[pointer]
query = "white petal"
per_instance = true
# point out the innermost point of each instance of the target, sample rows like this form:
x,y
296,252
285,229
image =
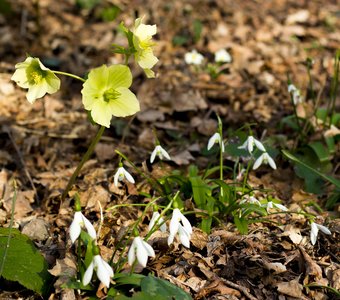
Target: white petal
x,y
148,249
213,139
259,145
104,271
291,88
163,226
244,145
154,218
258,162
116,178
88,274
184,237
89,228
174,223
313,233
270,161
164,153
324,229
171,239
250,144
75,227
186,224
128,176
142,254
132,253
153,154
280,206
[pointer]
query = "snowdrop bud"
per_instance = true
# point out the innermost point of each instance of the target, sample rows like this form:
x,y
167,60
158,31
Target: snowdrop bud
x,y
266,159
79,222
156,218
250,143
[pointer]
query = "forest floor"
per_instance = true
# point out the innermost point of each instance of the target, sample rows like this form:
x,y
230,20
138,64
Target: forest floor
x,y
42,143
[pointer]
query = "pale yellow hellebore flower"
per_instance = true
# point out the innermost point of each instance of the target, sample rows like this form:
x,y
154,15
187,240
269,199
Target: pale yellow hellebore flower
x,y
34,76
142,41
106,93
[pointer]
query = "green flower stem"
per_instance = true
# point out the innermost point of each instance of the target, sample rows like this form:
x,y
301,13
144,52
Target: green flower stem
x,y
83,161
69,74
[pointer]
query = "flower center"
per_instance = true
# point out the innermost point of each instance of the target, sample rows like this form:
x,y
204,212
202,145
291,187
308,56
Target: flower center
x,y
35,77
110,95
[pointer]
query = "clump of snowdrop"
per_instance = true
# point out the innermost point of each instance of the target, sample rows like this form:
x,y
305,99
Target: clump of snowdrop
x,y
141,250
156,219
180,225
103,269
160,152
250,143
215,139
121,174
315,230
222,56
296,94
264,158
193,58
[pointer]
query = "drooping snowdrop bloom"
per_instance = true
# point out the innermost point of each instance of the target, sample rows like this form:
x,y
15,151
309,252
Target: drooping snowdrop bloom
x,y
271,205
216,138
142,41
250,199
34,76
181,225
250,143
193,58
121,174
160,152
296,94
266,159
79,222
315,230
222,56
102,268
155,218
140,249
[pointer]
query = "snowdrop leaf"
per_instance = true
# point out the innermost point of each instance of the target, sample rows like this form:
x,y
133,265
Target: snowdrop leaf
x,y
23,262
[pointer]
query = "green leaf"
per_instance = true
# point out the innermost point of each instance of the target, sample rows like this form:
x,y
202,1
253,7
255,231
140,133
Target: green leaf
x,y
320,150
197,26
331,179
23,262
200,191
241,224
156,288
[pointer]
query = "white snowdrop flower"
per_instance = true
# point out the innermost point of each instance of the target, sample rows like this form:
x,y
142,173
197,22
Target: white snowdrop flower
x,y
160,152
271,205
181,225
315,230
193,58
250,199
154,218
102,268
250,143
216,138
296,94
266,159
291,88
140,249
121,174
222,56
79,222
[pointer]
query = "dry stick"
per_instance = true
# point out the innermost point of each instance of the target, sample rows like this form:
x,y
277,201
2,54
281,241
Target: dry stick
x,y
240,288
8,130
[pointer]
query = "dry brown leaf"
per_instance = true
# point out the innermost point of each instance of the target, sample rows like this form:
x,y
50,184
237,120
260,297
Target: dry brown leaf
x,y
292,288
312,268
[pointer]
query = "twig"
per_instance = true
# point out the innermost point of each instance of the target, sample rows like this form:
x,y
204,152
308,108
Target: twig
x,y
240,288
8,131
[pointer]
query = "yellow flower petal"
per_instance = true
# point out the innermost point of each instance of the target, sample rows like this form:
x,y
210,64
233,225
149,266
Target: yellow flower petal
x,y
119,76
146,59
125,105
101,113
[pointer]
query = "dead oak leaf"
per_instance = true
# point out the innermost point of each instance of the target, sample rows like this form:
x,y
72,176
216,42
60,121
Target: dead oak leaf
x,y
291,288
